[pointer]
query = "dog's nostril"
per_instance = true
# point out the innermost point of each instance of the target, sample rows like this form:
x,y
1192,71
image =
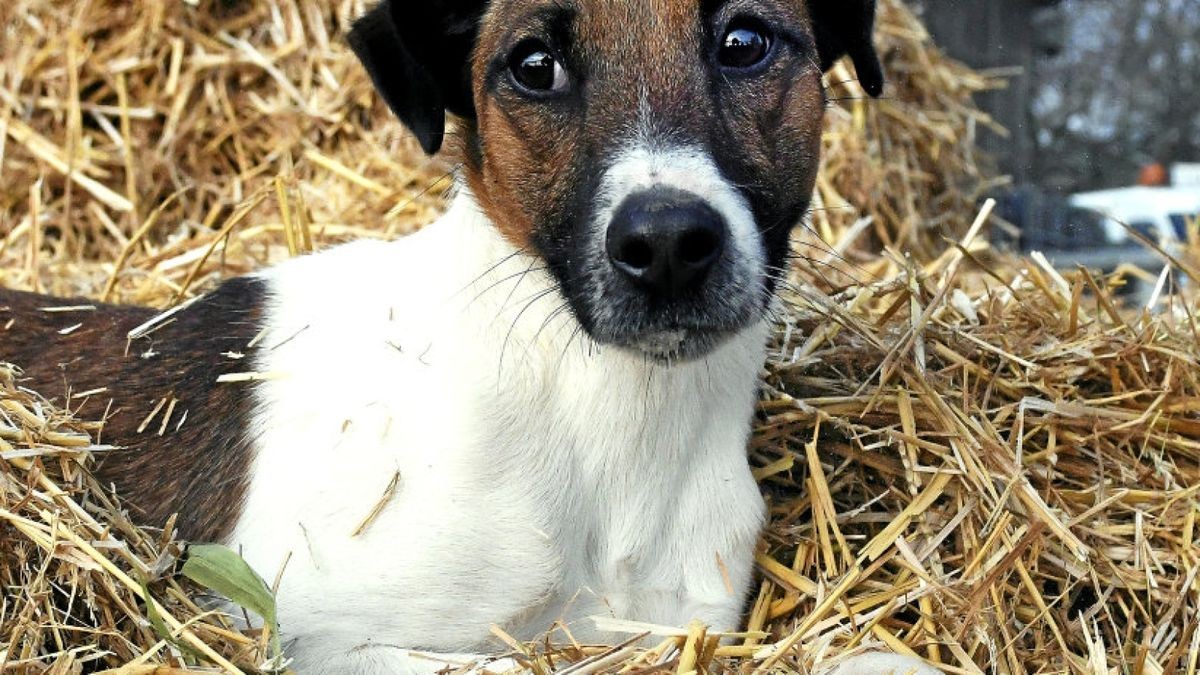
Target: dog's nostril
x,y
698,246
636,253
666,241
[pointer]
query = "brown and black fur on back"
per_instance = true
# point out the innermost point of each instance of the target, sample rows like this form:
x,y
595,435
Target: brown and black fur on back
x,y
195,462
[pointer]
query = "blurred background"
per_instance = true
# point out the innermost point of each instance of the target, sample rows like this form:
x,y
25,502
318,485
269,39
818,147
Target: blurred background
x,y
1102,115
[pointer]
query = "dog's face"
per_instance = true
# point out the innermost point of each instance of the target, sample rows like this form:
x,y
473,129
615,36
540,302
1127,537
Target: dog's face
x,y
654,153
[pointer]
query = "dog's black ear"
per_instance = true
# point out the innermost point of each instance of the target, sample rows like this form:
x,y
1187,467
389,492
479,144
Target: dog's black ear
x,y
847,27
418,54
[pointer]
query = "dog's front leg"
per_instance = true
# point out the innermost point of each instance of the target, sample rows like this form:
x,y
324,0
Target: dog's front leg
x,y
376,659
723,614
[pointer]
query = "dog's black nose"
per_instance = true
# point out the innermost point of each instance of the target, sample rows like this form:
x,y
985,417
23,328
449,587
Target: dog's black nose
x,y
666,240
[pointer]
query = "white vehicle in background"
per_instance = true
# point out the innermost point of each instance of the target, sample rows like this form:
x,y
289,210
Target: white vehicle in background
x,y
1158,212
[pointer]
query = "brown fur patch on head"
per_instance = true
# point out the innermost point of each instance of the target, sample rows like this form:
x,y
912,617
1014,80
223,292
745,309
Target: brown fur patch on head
x,y
641,72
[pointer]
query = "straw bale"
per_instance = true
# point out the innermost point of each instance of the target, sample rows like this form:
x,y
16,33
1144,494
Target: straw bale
x,y
986,461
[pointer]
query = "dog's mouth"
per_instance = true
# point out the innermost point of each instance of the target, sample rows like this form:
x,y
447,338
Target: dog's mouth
x,y
689,329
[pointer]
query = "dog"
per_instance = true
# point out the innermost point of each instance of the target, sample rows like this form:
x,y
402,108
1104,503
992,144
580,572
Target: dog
x,y
535,409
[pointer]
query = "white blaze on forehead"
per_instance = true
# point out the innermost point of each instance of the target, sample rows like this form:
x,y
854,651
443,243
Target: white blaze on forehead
x,y
688,169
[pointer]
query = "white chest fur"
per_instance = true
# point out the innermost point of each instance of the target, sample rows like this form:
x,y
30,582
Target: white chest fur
x,y
537,476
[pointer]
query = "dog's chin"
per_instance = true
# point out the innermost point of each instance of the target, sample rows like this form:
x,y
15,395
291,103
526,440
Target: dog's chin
x,y
675,346
670,345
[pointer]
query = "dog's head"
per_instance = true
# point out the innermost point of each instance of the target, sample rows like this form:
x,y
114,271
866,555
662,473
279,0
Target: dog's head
x,y
655,153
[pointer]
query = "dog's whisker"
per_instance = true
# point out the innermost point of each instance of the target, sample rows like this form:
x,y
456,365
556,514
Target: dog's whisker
x,y
508,335
429,188
532,269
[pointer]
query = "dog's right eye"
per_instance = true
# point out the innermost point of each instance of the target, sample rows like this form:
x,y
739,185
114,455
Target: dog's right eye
x,y
746,44
536,69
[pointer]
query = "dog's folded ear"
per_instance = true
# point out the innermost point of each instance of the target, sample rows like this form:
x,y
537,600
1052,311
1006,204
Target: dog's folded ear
x,y
418,54
846,27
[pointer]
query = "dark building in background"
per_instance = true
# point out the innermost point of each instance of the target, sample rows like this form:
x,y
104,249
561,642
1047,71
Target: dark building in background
x,y
1008,35
1102,94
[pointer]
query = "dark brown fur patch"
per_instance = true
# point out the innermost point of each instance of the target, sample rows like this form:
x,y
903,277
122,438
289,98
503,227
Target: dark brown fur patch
x,y
183,436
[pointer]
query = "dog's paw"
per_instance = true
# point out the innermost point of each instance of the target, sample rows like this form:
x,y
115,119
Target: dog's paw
x,y
463,664
882,664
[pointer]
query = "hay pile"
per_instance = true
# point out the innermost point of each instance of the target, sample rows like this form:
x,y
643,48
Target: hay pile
x,y
148,149
980,460
75,571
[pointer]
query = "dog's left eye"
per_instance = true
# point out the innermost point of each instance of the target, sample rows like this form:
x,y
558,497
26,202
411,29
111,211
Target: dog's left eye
x,y
746,43
536,69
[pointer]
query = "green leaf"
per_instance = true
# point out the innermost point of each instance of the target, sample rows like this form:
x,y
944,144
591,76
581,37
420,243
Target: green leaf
x,y
220,569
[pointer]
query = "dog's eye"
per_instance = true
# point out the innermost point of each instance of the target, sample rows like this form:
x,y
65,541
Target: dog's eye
x,y
746,43
536,69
